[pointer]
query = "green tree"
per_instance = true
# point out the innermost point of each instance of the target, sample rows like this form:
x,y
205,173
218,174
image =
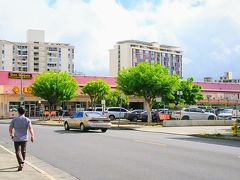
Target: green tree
x,y
96,90
115,97
147,81
191,93
54,87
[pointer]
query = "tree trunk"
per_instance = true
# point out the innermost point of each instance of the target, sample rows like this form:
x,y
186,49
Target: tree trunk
x,y
149,110
91,102
94,104
50,110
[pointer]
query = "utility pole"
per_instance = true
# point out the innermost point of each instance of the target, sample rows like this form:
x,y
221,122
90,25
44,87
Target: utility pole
x,y
21,81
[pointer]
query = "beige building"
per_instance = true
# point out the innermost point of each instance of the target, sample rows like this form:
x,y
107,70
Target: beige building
x,y
129,53
36,55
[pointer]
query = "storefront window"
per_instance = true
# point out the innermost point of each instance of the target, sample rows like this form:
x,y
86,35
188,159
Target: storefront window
x,y
13,106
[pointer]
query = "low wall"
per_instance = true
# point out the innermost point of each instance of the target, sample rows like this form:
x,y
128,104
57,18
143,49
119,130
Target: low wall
x,y
179,123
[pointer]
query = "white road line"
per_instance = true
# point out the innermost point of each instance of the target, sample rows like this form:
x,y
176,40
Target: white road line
x,y
149,142
30,164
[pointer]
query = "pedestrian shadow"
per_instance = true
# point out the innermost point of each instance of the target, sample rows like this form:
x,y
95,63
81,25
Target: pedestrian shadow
x,y
9,169
223,142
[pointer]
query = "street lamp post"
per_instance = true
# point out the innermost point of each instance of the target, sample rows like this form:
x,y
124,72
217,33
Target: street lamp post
x,y
21,82
179,93
121,95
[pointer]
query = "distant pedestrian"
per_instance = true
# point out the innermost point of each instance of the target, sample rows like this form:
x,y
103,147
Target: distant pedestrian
x,y
18,132
60,114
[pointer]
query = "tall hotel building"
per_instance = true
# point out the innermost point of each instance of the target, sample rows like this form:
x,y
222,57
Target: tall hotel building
x,y
36,55
131,52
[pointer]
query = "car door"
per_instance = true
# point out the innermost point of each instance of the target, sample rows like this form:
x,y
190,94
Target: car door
x,y
77,120
123,111
200,114
194,114
115,112
71,120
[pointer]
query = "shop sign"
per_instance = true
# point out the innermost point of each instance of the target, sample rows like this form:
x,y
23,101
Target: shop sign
x,y
19,75
16,90
26,90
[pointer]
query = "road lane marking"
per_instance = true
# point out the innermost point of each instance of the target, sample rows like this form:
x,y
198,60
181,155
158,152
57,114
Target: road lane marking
x,y
31,165
149,142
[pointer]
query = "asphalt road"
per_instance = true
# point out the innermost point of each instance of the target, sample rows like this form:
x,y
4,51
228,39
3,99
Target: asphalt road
x,y
130,155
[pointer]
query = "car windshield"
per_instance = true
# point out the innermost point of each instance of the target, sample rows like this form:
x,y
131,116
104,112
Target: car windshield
x,y
227,111
93,114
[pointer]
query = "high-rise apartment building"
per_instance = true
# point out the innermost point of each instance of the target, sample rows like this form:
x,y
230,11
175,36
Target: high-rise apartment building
x,y
36,55
131,52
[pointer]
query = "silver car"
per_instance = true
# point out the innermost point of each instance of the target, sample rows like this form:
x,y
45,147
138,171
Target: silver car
x,y
115,112
225,114
85,120
193,114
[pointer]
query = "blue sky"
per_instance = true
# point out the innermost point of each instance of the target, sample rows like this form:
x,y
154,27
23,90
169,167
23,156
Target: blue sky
x,y
208,31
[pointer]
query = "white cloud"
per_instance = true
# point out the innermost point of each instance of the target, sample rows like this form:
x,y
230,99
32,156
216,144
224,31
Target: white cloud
x,y
186,60
221,53
237,49
94,27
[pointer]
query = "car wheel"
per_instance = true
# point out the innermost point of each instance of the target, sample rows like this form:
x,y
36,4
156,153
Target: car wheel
x,y
66,126
185,118
135,118
211,118
112,117
82,127
103,130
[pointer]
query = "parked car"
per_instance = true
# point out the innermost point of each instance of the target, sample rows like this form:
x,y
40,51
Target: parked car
x,y
133,115
193,114
115,112
218,110
85,120
225,114
207,109
144,116
96,109
160,112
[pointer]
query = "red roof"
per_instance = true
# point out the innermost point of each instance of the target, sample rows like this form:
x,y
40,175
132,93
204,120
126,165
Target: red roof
x,y
213,86
82,80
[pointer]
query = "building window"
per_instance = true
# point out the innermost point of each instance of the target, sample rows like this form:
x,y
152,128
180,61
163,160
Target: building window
x,y
52,49
36,53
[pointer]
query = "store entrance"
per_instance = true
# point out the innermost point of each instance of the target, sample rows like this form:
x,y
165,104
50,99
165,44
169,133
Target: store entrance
x,y
30,108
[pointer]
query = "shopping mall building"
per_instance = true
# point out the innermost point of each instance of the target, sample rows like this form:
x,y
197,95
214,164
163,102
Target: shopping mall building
x,y
10,90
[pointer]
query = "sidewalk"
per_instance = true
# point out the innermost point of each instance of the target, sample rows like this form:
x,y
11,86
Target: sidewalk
x,y
190,130
34,168
9,165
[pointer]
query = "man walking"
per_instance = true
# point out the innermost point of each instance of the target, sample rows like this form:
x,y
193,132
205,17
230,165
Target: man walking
x,y
18,132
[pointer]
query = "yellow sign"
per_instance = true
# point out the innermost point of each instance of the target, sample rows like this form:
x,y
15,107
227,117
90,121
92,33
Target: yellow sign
x,y
19,75
16,90
26,90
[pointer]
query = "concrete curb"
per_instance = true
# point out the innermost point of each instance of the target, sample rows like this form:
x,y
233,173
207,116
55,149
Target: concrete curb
x,y
237,138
